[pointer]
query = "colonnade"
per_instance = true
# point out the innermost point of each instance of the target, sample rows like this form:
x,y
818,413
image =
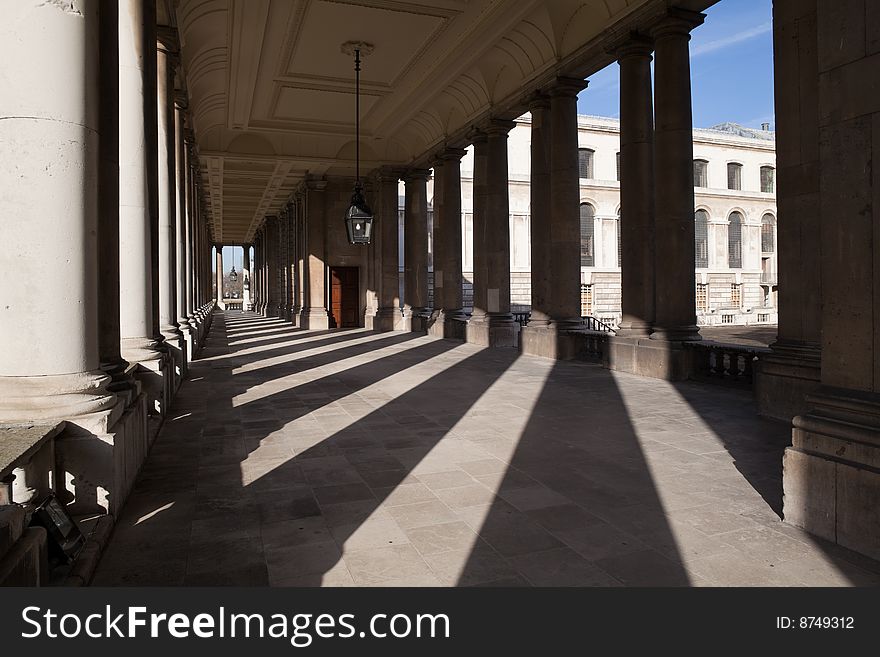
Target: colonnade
x,y
106,238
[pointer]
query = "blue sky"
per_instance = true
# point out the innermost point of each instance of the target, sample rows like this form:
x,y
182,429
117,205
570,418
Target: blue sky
x,y
731,69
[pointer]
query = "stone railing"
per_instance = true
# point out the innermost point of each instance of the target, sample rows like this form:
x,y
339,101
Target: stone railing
x,y
594,345
725,363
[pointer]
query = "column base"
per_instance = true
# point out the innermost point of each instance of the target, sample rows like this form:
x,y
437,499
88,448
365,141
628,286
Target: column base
x,y
35,398
416,319
658,359
559,342
315,319
831,472
153,369
784,378
493,331
450,324
689,333
388,319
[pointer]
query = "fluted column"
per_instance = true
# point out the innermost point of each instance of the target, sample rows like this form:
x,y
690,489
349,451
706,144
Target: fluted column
x,y
492,322
636,189
167,203
448,317
314,313
676,317
415,245
388,316
49,172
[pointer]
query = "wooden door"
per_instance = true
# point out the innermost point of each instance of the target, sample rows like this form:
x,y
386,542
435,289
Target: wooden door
x,y
344,289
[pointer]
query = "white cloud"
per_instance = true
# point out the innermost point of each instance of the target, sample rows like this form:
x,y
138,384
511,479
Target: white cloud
x,y
739,37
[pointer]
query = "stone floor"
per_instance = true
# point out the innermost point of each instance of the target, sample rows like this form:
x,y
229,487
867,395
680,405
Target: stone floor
x,y
349,458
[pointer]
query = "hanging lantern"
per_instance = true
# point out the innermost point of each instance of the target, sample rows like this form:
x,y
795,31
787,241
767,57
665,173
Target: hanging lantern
x,y
359,217
233,275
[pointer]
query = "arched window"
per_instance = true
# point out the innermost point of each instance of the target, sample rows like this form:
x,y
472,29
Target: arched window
x,y
585,163
701,173
734,241
768,233
588,213
701,238
768,180
734,175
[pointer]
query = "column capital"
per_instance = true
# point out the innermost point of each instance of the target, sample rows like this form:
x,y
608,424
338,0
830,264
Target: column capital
x,y
677,22
477,135
387,174
413,175
566,87
167,39
316,185
636,45
498,127
451,154
538,101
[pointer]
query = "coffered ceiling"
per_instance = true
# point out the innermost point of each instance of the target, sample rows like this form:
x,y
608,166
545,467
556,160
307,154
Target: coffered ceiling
x,y
272,94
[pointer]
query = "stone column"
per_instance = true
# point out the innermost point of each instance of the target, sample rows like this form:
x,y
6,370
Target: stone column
x,y
167,208
272,283
388,316
675,309
480,231
297,263
108,206
49,174
181,181
831,472
191,236
636,189
494,325
448,319
218,274
246,278
314,313
283,290
138,201
792,371
558,313
257,290
415,245
540,195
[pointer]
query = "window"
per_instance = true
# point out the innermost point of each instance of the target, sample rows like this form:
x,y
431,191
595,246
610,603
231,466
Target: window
x,y
768,180
585,163
586,300
701,238
736,295
727,319
701,173
763,318
618,166
521,256
734,175
734,241
587,230
619,242
768,233
702,297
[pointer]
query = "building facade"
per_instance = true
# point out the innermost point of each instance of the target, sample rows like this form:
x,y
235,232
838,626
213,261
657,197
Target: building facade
x,y
735,222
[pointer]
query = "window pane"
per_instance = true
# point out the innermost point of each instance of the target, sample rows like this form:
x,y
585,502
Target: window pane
x,y
618,167
585,163
734,176
701,235
734,241
587,230
767,234
768,180
701,172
